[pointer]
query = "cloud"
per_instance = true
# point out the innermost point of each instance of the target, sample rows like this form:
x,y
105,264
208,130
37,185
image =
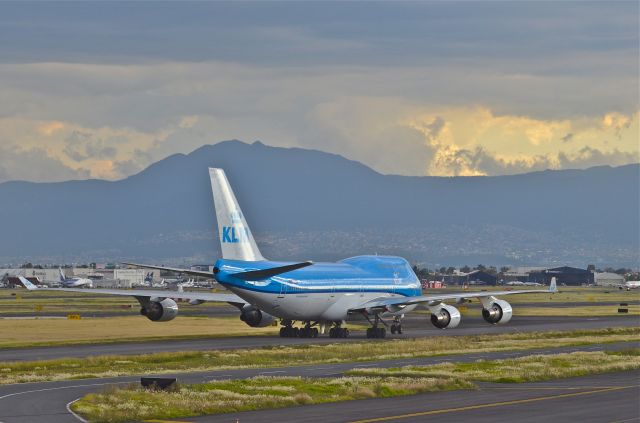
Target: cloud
x,y
542,82
35,165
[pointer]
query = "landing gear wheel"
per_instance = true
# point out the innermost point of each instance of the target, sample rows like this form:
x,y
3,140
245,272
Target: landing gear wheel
x,y
338,332
314,332
378,333
393,329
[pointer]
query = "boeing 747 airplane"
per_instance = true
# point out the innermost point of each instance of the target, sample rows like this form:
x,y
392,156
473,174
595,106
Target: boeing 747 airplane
x,y
316,296
74,282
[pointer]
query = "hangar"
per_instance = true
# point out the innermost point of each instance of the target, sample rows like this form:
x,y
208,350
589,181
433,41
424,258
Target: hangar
x,y
564,275
608,279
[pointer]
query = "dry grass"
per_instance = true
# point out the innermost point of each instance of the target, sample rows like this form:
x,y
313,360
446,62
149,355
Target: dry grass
x,y
578,311
524,369
107,366
135,403
31,332
20,302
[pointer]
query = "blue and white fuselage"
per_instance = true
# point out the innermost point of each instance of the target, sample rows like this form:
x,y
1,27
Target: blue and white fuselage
x,y
322,291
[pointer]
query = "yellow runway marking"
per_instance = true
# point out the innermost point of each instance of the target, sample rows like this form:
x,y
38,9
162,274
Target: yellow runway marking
x,y
493,404
547,388
164,421
633,419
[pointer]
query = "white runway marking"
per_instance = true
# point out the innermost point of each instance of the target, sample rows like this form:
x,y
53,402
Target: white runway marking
x,y
58,388
72,413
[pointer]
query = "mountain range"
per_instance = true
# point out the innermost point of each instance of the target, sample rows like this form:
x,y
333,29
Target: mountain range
x,y
307,204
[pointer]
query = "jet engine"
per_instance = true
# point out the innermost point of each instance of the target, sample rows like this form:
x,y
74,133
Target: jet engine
x,y
444,316
160,311
497,312
254,317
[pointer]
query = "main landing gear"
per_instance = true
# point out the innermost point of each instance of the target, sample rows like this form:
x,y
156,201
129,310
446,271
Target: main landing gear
x,y
338,332
381,332
288,331
375,331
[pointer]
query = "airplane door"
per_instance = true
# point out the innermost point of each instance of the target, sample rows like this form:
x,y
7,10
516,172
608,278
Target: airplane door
x,y
396,281
283,290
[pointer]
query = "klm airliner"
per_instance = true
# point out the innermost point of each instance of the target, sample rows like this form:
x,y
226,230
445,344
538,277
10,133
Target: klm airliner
x,y
313,296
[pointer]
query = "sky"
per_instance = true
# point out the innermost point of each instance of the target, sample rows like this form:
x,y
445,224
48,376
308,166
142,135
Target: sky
x,y
102,90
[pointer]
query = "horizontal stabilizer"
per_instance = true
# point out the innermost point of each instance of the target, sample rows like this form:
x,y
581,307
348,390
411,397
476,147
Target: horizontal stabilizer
x,y
174,269
256,275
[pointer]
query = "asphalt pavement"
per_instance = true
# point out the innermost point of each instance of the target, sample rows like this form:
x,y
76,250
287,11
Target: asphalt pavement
x,y
48,401
612,398
415,326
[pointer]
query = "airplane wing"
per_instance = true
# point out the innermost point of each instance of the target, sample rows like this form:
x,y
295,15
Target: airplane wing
x,y
383,304
174,269
203,296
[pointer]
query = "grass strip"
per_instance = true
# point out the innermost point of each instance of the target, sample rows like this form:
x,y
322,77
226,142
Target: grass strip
x,y
275,356
135,403
533,368
34,332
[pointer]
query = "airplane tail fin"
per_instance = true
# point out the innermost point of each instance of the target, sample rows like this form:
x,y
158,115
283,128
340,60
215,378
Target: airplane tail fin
x,y
62,275
27,284
552,286
236,240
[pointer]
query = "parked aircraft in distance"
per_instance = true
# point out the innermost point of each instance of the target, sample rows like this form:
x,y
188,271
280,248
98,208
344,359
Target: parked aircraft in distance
x,y
378,289
519,283
74,282
629,285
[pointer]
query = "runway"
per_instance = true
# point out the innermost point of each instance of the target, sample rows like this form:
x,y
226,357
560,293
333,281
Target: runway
x,y
601,398
47,401
225,310
415,326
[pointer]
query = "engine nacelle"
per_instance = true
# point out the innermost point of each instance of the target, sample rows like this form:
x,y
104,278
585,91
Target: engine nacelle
x,y
444,316
255,317
497,312
160,311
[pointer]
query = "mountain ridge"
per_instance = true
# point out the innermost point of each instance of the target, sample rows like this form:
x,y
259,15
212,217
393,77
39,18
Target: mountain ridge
x,y
283,191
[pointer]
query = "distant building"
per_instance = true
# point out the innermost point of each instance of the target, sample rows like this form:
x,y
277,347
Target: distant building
x,y
520,273
44,275
427,284
564,275
129,277
608,279
475,277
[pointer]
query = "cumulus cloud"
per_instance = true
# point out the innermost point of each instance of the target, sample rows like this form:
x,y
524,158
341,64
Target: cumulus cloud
x,y
555,95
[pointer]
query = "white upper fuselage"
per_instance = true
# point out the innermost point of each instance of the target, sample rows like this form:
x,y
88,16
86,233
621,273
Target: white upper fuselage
x,y
77,283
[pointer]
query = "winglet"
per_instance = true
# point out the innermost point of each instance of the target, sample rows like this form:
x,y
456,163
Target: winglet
x,y
27,284
552,286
